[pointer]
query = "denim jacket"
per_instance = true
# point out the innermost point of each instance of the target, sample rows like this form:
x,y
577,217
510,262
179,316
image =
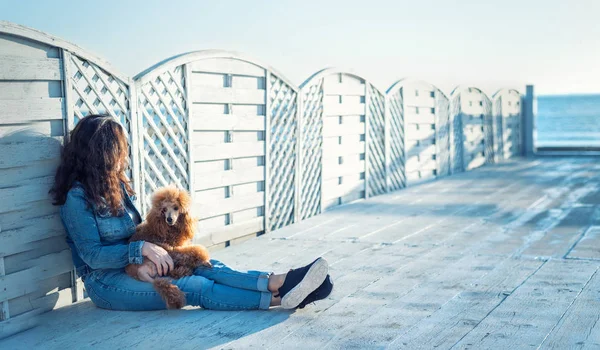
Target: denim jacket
x,y
98,240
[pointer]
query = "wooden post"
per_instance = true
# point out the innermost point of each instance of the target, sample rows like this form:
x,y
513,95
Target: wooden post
x,y
298,169
528,121
4,313
367,138
67,93
190,131
267,151
386,141
136,146
69,124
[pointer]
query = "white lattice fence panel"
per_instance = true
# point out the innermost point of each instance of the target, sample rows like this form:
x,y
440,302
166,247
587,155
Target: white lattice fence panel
x,y
442,121
376,142
311,151
396,174
164,134
282,102
95,91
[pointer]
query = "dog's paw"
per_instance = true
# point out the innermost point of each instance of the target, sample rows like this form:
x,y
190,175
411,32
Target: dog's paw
x,y
207,264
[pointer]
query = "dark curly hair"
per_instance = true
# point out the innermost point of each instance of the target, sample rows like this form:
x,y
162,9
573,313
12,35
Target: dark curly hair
x,y
96,156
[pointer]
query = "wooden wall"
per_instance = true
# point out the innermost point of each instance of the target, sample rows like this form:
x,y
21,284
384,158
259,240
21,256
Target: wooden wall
x,y
35,262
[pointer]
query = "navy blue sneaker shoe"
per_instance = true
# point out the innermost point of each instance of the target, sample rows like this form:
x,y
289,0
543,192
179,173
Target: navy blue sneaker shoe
x,y
319,294
299,283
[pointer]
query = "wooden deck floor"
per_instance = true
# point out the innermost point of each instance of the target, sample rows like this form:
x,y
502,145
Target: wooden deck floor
x,y
502,257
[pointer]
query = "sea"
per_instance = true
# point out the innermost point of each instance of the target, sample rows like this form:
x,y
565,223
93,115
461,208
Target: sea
x,y
568,121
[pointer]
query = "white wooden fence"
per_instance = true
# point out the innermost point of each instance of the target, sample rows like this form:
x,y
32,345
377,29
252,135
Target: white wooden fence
x,y
256,151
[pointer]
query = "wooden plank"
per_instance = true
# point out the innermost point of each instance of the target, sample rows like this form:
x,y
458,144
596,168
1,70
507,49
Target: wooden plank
x,y
24,174
577,328
203,94
587,247
210,122
24,132
20,239
424,99
228,150
332,169
227,66
35,249
224,178
228,205
344,149
336,109
421,163
26,281
19,111
342,88
26,68
335,191
533,310
31,191
420,150
19,324
51,293
344,129
423,117
229,232
419,132
25,47
442,330
18,90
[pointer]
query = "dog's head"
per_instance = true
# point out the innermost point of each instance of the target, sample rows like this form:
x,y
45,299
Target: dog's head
x,y
172,204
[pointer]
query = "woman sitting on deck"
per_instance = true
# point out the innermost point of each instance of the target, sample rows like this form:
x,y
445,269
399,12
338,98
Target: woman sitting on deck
x,y
97,211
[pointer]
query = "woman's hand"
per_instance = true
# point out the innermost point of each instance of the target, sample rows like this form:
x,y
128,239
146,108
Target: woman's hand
x,y
159,257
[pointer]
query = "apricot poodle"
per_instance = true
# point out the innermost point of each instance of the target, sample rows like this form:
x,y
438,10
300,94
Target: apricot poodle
x,y
170,225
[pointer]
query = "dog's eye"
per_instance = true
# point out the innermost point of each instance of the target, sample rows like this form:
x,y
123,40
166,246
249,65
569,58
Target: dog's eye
x,y
163,210
176,208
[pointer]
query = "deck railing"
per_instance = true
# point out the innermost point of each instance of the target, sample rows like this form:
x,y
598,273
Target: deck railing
x,y
256,151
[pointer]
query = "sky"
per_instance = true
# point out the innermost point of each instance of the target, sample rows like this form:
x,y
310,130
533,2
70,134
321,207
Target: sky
x,y
552,44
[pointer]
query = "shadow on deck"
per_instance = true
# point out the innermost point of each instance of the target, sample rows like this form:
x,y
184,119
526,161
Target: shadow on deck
x,y
501,257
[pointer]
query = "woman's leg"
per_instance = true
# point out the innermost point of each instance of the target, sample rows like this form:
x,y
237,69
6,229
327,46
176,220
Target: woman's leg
x,y
114,289
251,280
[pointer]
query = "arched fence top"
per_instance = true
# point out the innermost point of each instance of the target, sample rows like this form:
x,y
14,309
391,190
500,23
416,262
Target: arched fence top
x,y
506,91
336,70
45,38
189,57
395,87
467,88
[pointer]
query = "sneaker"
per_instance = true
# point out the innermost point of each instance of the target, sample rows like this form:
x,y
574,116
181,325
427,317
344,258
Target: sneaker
x,y
299,283
319,294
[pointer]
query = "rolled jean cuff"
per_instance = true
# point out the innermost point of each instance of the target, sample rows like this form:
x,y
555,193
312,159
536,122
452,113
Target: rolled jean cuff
x,y
265,300
262,283
135,252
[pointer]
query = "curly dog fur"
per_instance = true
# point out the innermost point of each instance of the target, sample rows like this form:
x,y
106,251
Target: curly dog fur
x,y
170,225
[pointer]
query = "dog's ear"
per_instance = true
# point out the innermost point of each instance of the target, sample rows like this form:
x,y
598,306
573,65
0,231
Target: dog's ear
x,y
185,201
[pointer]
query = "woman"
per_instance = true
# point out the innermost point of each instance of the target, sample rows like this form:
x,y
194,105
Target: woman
x,y
97,211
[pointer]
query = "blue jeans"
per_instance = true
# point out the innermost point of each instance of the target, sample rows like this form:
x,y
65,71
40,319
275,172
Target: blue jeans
x,y
217,288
